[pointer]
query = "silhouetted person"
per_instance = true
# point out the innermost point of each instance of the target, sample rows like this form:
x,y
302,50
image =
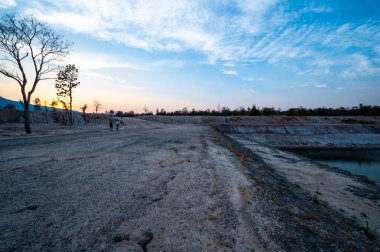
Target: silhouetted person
x,y
111,124
117,125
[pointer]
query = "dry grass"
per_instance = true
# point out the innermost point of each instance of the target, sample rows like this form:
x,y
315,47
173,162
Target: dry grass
x,y
246,193
311,216
305,226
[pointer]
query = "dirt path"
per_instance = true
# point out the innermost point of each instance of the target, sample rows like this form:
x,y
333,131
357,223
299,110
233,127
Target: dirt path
x,y
131,190
153,187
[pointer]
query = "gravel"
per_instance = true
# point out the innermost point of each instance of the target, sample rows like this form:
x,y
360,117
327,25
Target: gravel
x,y
153,187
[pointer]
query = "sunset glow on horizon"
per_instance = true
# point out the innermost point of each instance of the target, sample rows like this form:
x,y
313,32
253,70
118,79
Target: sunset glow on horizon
x,y
201,54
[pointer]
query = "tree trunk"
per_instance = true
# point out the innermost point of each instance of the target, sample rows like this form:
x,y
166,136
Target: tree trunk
x,y
71,113
71,108
28,130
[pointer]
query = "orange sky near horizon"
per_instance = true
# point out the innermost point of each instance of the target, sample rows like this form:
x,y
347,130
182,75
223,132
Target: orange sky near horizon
x,y
83,94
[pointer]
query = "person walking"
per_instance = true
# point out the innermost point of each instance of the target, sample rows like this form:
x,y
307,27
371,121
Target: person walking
x,y
117,124
111,124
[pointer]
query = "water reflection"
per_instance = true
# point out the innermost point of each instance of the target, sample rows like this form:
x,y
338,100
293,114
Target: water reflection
x,y
362,162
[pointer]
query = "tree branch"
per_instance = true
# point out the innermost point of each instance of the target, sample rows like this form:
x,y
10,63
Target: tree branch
x,y
21,38
6,59
12,76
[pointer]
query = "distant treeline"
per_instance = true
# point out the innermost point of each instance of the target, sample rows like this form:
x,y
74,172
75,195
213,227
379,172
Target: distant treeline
x,y
361,110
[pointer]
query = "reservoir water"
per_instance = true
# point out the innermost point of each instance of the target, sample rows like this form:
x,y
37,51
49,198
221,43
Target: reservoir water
x,y
361,162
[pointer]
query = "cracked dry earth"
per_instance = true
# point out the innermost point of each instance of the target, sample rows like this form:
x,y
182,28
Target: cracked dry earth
x,y
156,187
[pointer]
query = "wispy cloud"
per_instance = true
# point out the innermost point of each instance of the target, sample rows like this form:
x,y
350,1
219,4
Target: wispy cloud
x,y
7,3
229,64
93,61
165,64
89,60
229,72
312,84
359,65
230,32
156,25
320,85
114,80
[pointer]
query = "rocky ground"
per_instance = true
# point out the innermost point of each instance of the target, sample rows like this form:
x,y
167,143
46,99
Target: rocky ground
x,y
158,187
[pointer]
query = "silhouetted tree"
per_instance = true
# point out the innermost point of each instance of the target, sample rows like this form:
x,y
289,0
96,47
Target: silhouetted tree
x,y
64,105
242,111
97,106
54,105
146,110
119,113
67,80
25,40
268,111
225,111
129,114
364,110
185,111
254,111
65,108
37,104
84,108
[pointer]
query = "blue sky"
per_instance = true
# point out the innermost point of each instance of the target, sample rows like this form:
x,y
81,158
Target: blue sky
x,y
198,54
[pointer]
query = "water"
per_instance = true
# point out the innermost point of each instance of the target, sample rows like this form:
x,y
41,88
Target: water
x,y
361,162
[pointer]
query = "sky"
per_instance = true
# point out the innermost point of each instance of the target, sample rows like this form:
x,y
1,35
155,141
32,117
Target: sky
x,y
200,54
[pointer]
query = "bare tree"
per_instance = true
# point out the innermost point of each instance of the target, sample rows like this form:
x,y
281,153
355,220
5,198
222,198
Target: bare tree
x,y
25,40
146,110
67,80
97,105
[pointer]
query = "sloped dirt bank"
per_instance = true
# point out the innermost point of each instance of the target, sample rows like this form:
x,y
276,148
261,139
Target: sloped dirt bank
x,y
351,196
49,117
318,136
318,141
265,120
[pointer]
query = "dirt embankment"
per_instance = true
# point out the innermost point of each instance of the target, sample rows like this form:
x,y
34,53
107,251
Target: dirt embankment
x,y
346,132
264,120
46,117
314,132
152,187
352,196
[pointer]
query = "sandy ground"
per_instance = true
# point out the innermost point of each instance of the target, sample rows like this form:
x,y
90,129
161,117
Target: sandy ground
x,y
16,130
156,187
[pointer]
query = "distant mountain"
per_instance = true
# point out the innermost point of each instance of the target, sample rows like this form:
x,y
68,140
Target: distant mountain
x,y
5,101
